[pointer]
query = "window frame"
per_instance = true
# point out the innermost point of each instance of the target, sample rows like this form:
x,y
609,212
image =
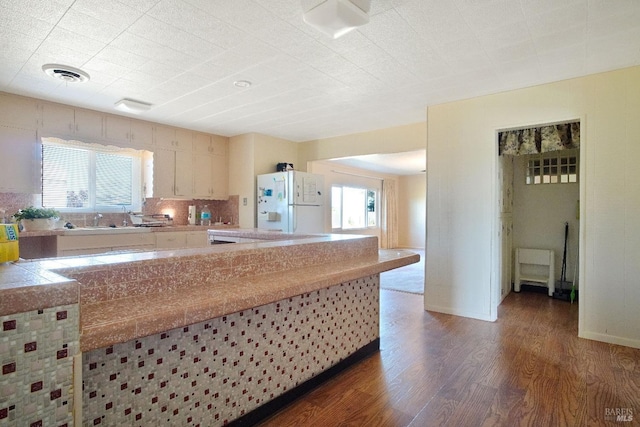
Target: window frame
x,y
557,167
366,210
94,148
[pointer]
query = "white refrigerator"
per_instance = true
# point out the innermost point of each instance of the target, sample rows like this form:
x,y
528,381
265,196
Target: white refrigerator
x,y
290,201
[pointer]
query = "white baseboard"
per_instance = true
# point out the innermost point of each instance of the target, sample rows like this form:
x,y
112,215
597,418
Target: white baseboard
x,y
461,313
610,339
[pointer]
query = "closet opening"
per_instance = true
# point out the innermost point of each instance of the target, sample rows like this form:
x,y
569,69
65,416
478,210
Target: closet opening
x,y
538,225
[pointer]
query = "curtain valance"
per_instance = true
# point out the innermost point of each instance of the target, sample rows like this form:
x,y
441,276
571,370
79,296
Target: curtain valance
x,y
540,139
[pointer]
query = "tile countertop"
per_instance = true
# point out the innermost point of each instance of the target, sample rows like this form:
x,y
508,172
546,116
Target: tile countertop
x,y
222,279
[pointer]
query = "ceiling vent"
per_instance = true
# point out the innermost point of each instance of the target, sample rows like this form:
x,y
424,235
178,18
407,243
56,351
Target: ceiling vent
x,y
65,73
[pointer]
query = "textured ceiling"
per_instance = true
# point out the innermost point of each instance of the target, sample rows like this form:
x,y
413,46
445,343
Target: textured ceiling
x,y
183,56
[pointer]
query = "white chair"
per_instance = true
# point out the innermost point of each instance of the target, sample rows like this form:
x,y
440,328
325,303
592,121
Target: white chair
x,y
535,265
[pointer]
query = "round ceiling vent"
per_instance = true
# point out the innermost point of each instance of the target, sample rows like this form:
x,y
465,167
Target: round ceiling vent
x,y
65,73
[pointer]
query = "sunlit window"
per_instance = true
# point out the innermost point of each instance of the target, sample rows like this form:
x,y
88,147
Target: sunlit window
x,y
353,208
77,177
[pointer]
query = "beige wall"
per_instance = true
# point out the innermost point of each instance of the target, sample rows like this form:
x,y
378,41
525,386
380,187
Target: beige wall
x,y
269,151
412,198
392,140
241,159
462,201
250,155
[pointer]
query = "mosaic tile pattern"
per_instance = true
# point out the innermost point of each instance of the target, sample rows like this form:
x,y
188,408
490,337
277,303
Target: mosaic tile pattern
x,y
36,355
213,372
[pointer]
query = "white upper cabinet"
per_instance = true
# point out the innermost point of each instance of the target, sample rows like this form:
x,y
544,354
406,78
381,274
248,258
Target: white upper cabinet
x,y
19,148
220,178
202,143
68,122
117,128
18,112
56,120
210,170
172,138
184,164
171,175
88,124
141,133
19,162
127,132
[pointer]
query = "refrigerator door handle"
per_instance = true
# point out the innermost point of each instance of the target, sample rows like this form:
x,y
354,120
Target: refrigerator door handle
x,y
294,225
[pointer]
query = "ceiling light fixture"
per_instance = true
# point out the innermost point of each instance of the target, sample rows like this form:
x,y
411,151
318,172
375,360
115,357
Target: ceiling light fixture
x,y
132,106
65,73
242,83
336,18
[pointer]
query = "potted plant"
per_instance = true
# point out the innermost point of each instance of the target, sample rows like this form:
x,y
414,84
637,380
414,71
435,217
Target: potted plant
x,y
36,219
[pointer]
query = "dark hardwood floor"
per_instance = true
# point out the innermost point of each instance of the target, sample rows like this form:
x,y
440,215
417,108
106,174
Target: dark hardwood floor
x,y
527,369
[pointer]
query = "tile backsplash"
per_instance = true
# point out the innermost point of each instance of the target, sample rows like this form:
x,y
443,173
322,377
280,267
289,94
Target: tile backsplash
x,y
226,210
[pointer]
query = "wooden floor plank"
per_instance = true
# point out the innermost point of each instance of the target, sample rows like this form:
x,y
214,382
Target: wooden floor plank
x,y
527,368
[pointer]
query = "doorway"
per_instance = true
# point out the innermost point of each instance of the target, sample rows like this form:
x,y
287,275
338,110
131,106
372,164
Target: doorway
x,y
538,196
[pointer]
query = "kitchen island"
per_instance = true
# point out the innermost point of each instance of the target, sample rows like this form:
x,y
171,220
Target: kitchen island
x,y
191,336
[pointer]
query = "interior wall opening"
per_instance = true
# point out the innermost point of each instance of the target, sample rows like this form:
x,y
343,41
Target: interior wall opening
x,y
539,194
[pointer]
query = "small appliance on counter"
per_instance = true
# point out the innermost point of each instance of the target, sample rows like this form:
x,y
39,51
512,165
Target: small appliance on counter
x,y
193,217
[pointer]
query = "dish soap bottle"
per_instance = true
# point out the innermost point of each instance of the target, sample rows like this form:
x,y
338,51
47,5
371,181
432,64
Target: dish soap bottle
x,y
205,216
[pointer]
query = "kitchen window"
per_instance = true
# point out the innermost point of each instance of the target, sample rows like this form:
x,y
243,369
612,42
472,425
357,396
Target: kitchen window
x,y
90,177
353,208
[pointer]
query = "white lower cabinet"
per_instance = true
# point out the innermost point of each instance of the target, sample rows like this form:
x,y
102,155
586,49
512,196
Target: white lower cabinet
x,y
197,239
99,243
171,240
181,239
91,244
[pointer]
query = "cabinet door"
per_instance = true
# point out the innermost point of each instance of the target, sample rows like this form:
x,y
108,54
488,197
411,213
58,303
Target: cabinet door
x,y
163,173
16,111
202,143
20,155
164,136
184,139
220,178
219,145
88,124
173,138
56,120
202,176
141,134
183,186
171,240
117,129
197,239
